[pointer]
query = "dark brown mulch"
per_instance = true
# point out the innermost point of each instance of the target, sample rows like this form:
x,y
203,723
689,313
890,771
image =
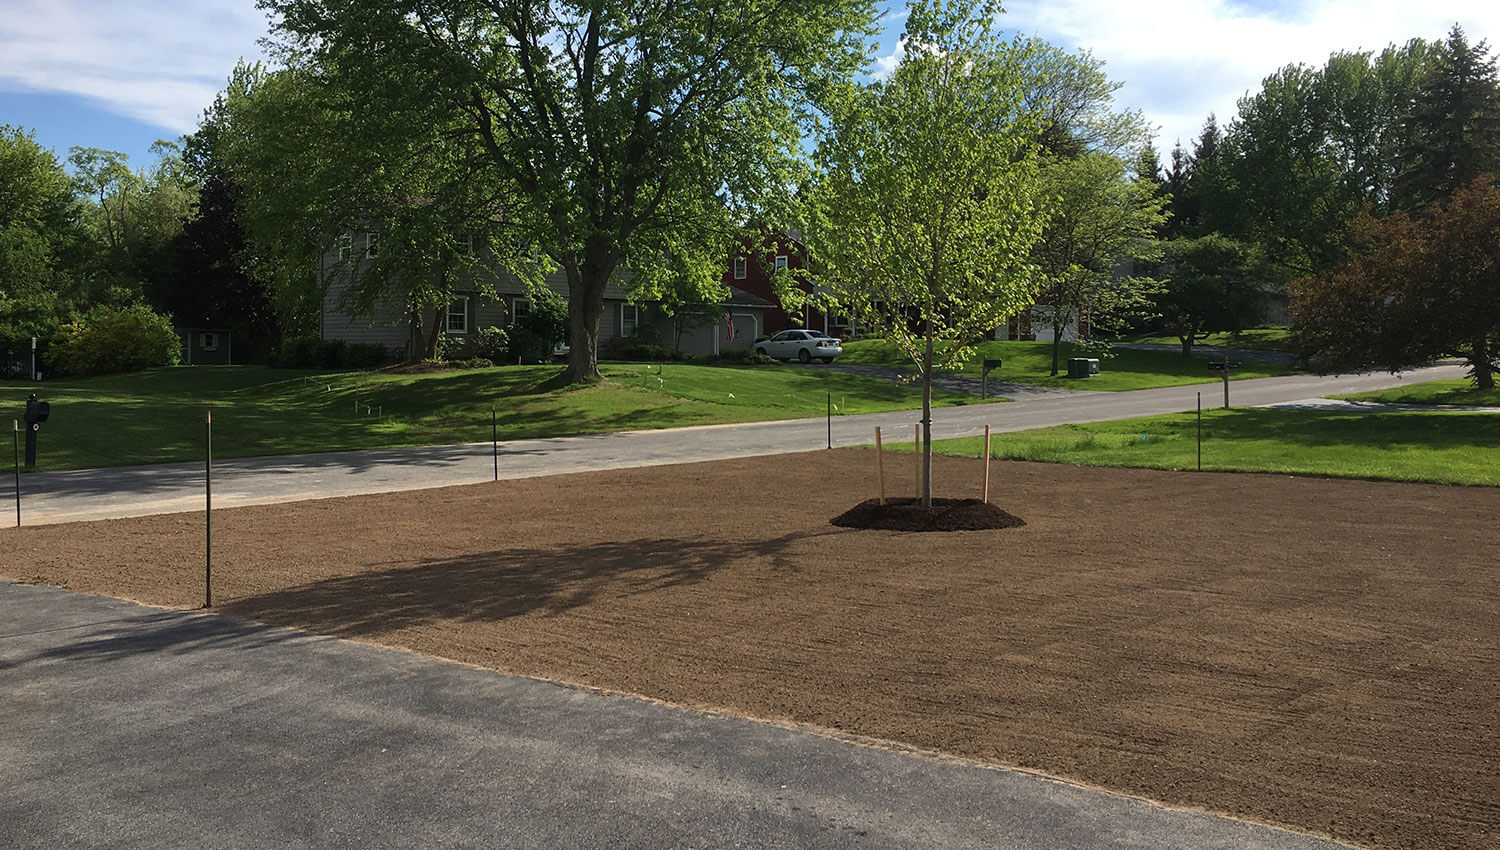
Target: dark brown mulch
x,y
944,515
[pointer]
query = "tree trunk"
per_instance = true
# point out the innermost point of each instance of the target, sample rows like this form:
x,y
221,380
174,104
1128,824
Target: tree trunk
x,y
431,344
586,282
1056,344
1479,358
927,419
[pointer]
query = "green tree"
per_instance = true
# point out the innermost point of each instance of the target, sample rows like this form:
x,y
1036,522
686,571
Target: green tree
x,y
632,136
39,238
1419,287
1099,221
317,162
924,210
132,215
1306,153
1208,284
1455,126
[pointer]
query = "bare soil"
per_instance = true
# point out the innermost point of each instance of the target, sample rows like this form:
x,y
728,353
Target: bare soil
x,y
1321,654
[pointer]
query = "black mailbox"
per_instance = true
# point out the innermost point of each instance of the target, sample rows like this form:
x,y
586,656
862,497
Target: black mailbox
x,y
991,363
36,413
1223,366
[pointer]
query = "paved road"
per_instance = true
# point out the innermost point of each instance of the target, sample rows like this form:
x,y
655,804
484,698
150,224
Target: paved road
x,y
139,490
135,727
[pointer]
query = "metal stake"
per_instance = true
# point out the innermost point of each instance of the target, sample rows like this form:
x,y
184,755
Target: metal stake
x,y
1200,432
208,511
17,441
880,464
830,419
495,441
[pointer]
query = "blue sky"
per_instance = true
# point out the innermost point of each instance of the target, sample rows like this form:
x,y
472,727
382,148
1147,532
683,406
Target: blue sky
x,y
121,74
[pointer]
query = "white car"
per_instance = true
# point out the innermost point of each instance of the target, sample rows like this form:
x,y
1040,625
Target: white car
x,y
801,344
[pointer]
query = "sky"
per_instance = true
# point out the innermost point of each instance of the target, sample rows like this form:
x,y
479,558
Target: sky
x,y
120,74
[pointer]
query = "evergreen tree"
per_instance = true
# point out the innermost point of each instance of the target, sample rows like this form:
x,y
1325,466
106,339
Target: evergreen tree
x,y
1455,126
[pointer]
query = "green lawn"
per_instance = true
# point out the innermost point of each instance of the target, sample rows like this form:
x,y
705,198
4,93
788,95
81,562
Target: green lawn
x,y
1448,448
1275,338
1030,362
1458,391
157,415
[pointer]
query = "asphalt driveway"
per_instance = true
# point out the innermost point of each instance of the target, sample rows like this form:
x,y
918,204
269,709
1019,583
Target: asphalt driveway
x,y
127,726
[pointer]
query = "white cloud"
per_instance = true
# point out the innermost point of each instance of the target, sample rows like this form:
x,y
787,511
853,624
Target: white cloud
x,y
1182,59
158,61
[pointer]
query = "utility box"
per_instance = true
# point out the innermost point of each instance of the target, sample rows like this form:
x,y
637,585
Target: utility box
x,y
1083,367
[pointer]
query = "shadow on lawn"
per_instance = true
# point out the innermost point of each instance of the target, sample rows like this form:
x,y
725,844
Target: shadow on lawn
x,y
501,584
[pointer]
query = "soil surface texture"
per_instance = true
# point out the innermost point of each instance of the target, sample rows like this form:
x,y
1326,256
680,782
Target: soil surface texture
x,y
909,515
1320,654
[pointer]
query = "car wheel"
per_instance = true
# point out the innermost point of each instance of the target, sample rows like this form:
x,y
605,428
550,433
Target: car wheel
x,y
761,352
804,356
827,359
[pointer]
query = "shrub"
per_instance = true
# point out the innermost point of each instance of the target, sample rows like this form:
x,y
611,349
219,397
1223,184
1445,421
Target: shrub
x,y
647,351
314,353
534,335
106,340
478,363
762,360
492,344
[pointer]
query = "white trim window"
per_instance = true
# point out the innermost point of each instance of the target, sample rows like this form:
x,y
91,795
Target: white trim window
x,y
372,249
346,245
208,341
458,315
780,262
520,308
741,268
464,245
630,319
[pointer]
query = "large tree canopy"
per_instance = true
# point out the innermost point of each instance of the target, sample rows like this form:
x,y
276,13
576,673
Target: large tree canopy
x,y
925,206
39,236
1419,287
636,135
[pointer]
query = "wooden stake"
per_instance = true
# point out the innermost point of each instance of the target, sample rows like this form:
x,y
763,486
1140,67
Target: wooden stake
x,y
986,464
880,464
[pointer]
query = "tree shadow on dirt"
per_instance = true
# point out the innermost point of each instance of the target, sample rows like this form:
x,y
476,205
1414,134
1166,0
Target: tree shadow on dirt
x,y
504,583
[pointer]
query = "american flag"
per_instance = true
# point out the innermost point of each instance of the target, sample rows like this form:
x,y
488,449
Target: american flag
x,y
729,327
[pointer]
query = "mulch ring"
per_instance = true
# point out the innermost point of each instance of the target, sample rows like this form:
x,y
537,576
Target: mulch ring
x,y
944,515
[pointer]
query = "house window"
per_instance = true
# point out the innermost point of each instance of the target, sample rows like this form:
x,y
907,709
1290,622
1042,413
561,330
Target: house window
x,y
740,270
370,249
458,315
208,341
346,246
630,319
780,262
464,244
519,309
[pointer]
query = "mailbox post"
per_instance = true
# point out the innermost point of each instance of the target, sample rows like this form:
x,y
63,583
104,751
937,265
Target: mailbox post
x,y
36,413
984,380
1224,368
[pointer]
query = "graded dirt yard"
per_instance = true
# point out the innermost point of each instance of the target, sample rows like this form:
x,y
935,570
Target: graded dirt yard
x,y
1318,654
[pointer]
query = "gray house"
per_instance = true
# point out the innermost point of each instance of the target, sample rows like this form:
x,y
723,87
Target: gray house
x,y
389,325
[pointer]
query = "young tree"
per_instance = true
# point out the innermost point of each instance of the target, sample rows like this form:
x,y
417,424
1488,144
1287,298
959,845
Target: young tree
x,y
633,136
1098,223
925,210
1421,287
